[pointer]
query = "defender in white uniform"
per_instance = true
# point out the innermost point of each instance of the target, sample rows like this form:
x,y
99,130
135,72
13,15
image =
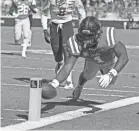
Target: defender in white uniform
x,y
60,13
20,9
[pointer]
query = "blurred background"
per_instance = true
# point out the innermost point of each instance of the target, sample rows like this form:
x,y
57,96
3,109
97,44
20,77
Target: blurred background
x,y
105,9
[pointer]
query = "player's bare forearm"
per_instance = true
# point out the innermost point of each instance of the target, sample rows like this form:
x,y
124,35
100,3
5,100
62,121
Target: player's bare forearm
x,y
65,70
121,53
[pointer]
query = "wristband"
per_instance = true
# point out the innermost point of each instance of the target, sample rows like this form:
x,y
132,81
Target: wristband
x,y
113,72
55,83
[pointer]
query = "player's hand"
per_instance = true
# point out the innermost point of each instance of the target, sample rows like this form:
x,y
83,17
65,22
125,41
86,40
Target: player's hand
x,y
54,83
47,36
106,79
15,14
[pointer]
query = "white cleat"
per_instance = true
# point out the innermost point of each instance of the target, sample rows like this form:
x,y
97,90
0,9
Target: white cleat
x,y
22,44
24,55
69,85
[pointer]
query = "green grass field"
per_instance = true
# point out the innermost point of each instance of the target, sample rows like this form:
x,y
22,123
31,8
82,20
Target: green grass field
x,y
15,80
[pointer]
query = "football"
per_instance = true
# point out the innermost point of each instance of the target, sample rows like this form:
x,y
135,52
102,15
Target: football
x,y
48,91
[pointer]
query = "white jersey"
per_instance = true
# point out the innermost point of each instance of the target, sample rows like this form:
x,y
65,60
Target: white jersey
x,y
21,8
61,11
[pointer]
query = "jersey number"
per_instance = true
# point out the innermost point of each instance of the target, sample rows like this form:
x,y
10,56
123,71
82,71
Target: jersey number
x,y
22,9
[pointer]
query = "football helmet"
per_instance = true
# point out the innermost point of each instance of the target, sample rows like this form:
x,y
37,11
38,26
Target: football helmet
x,y
89,32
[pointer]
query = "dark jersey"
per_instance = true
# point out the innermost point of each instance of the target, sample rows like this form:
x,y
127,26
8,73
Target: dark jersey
x,y
103,54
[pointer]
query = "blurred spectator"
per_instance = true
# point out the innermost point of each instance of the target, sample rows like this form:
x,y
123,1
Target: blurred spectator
x,y
5,6
98,8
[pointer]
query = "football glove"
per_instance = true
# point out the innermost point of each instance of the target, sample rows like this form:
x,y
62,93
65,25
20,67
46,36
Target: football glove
x,y
47,36
54,83
106,79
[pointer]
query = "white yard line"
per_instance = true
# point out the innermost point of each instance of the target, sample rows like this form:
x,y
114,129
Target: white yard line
x,y
41,51
15,119
37,51
107,90
20,110
100,101
43,59
28,68
132,47
32,58
15,110
134,87
103,95
70,115
31,68
8,84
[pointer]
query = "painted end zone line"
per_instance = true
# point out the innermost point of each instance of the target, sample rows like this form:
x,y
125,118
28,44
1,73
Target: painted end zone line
x,y
72,114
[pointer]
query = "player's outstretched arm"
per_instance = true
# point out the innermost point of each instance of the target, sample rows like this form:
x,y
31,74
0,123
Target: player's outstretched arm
x,y
121,52
65,71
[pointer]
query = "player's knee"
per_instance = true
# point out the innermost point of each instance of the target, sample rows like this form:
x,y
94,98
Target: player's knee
x,y
26,36
87,76
17,37
58,57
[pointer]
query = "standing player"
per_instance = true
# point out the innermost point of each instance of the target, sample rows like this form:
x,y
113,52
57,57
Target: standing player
x,y
60,13
20,9
101,51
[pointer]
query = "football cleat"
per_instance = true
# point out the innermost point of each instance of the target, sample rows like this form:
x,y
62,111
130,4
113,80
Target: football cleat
x,y
68,85
23,55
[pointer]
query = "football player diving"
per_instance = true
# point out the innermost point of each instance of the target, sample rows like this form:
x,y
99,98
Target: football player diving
x,y
101,51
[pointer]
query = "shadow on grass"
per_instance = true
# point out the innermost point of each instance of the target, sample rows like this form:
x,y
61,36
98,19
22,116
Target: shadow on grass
x,y
77,103
23,116
11,53
14,44
51,105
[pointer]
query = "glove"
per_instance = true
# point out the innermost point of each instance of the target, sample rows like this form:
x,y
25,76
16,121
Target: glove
x,y
47,36
106,79
54,83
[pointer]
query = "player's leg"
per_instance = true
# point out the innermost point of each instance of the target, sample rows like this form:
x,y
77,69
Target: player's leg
x,y
89,72
18,31
105,70
26,28
56,46
67,32
30,31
